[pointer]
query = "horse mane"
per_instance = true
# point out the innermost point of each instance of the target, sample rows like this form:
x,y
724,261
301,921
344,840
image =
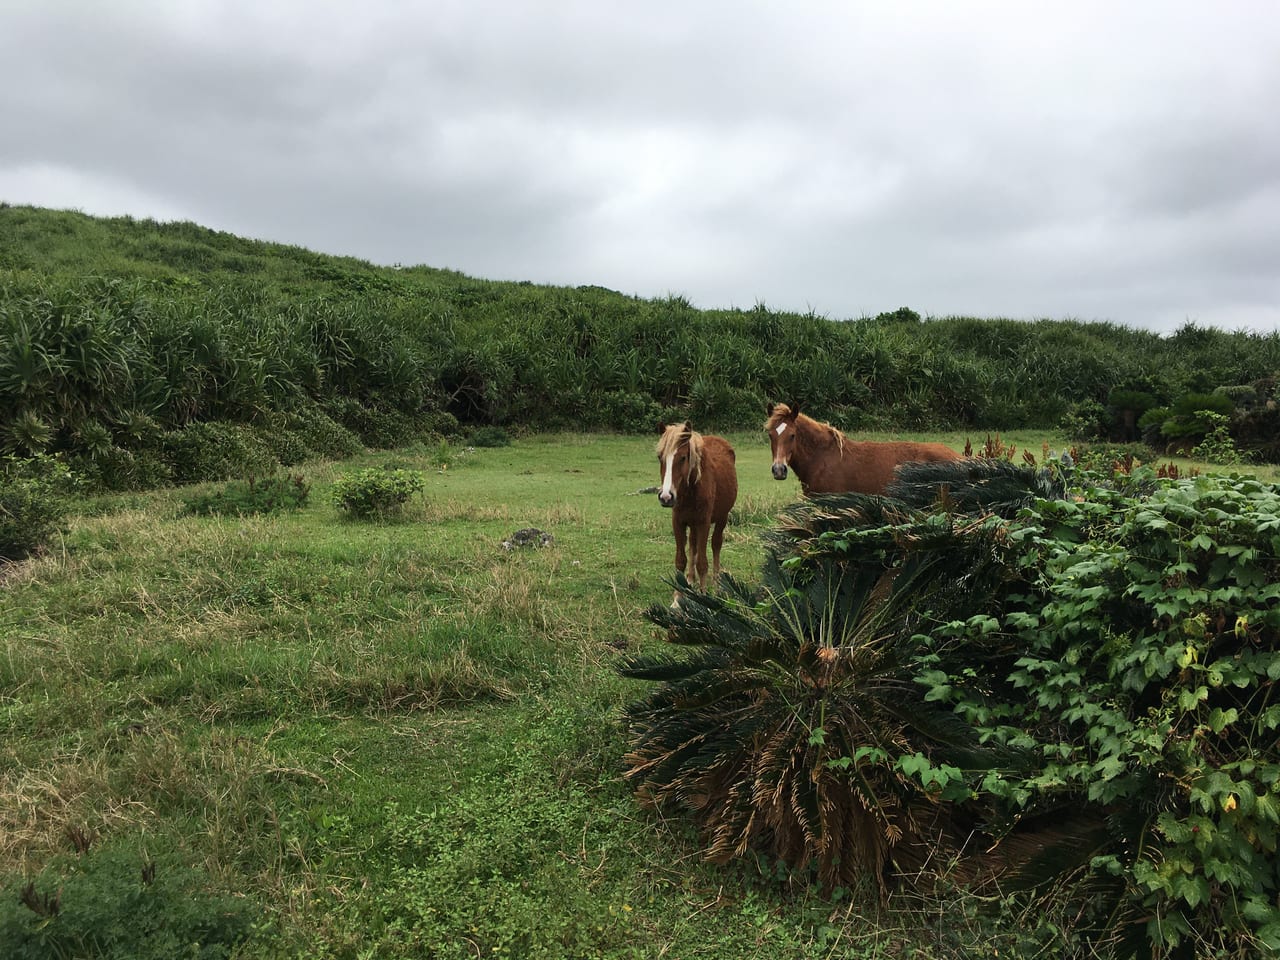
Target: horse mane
x,y
781,411
670,441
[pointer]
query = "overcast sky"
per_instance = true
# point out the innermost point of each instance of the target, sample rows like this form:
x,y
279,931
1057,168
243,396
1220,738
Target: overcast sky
x,y
1090,160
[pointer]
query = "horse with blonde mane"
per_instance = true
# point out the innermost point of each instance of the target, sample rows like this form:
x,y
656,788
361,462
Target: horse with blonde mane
x,y
826,461
700,486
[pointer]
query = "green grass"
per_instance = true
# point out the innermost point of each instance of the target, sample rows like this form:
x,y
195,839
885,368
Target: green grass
x,y
397,739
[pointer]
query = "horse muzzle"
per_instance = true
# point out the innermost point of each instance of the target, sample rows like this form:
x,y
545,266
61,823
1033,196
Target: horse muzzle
x,y
779,471
667,499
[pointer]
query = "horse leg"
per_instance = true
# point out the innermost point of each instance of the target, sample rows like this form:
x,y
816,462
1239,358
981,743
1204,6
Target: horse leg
x,y
717,541
680,529
699,532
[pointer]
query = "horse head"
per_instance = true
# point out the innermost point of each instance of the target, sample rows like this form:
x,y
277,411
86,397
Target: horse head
x,y
781,426
678,459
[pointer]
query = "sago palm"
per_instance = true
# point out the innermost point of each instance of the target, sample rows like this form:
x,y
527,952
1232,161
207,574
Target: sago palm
x,y
793,724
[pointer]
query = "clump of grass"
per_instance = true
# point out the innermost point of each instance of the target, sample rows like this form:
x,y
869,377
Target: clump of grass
x,y
754,510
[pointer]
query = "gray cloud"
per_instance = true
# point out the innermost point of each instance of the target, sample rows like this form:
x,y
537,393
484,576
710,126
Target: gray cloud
x,y
1081,160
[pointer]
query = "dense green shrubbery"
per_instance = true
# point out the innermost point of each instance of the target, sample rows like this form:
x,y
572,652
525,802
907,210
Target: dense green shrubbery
x,y
33,503
1088,688
217,451
122,468
630,412
376,493
240,498
1137,682
489,437
320,433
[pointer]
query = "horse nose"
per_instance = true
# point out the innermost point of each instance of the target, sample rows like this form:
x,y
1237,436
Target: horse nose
x,y
667,499
779,471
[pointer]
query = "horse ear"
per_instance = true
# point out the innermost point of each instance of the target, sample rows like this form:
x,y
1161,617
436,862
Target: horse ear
x,y
795,410
688,426
769,406
662,428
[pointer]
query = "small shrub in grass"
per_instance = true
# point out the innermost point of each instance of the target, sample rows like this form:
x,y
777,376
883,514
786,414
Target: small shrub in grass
x,y
243,497
115,904
442,455
33,502
376,493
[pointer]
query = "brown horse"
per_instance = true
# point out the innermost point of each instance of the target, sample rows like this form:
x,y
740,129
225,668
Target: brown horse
x,y
700,485
826,461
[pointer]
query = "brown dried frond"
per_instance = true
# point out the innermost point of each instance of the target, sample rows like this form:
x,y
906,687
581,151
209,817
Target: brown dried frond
x,y
81,838
41,904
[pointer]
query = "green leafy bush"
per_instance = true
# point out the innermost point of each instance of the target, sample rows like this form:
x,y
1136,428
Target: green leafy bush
x,y
1141,652
791,723
113,904
376,493
1218,446
1084,420
217,451
1190,415
628,411
287,446
33,503
379,426
118,469
241,498
320,433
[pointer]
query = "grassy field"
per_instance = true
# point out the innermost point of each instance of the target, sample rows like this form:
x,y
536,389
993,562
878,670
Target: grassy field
x,y
394,739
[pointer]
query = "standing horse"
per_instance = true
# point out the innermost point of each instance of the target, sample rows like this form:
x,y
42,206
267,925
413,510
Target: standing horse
x,y
700,485
826,461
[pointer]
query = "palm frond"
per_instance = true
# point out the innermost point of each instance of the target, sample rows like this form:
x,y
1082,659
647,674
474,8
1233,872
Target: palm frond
x,y
975,485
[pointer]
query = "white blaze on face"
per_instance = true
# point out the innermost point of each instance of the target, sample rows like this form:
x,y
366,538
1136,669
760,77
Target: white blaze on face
x,y
779,428
668,478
